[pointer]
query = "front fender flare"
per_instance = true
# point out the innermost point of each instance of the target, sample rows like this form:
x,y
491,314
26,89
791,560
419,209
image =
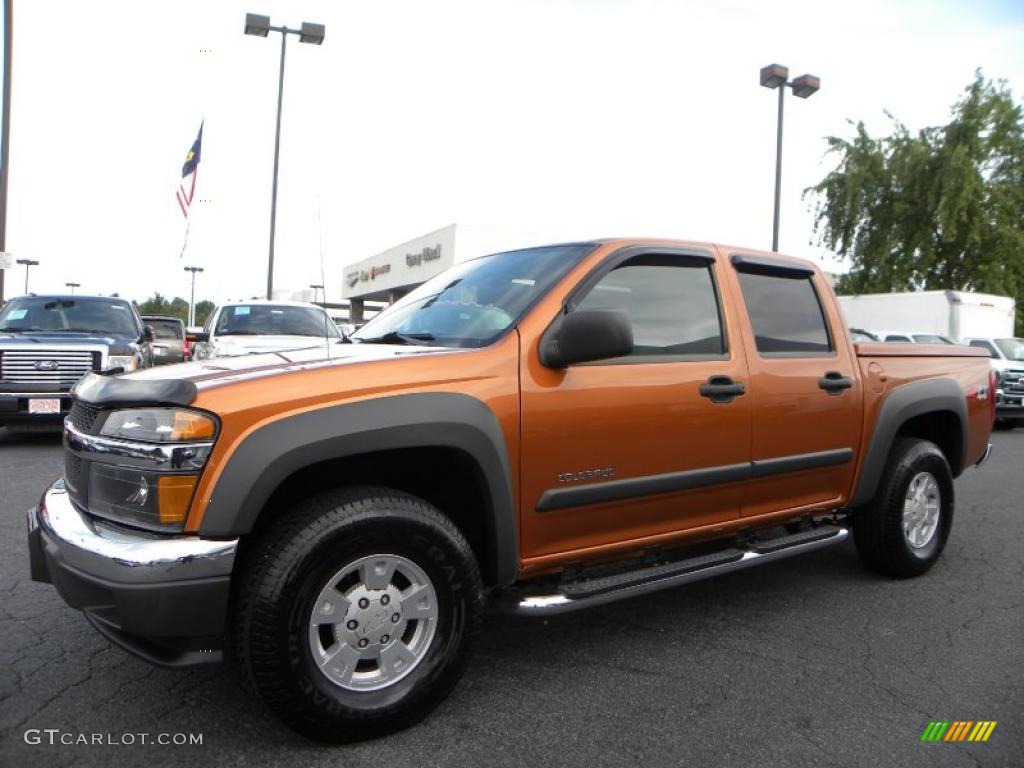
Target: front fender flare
x,y
270,454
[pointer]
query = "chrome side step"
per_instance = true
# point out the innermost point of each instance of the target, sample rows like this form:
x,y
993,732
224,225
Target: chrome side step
x,y
587,593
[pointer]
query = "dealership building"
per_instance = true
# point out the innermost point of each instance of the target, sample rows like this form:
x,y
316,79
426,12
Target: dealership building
x,y
391,274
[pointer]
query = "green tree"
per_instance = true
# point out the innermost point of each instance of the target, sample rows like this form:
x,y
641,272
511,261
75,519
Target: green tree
x,y
178,308
154,305
940,209
203,310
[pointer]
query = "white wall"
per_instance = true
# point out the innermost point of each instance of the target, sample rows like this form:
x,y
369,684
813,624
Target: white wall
x,y
981,314
956,314
416,261
413,261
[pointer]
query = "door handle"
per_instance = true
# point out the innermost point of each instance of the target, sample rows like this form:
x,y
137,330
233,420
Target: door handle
x,y
721,389
834,382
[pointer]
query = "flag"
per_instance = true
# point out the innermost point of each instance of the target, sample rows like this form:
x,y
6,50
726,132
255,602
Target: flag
x,y
187,187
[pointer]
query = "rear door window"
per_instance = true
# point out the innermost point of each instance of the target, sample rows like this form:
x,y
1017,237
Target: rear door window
x,y
785,314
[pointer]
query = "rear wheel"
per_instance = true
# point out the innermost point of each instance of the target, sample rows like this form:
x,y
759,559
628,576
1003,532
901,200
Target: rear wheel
x,y
903,531
356,613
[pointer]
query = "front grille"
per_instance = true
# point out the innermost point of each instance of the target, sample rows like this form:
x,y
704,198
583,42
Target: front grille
x,y
51,368
83,416
72,472
1013,381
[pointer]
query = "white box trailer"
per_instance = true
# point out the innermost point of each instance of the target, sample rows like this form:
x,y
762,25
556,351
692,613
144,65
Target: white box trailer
x,y
955,314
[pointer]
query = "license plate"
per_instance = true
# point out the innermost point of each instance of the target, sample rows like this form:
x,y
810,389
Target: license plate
x,y
44,405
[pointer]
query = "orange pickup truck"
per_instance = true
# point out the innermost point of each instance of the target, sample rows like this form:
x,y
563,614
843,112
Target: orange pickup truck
x,y
537,431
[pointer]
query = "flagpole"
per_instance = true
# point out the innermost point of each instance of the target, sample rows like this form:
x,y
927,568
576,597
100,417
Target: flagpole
x,y
188,216
184,245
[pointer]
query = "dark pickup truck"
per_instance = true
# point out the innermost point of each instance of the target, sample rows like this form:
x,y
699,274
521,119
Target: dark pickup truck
x,y
47,343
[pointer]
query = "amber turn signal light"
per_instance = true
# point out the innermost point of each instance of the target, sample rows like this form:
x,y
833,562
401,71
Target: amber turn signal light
x,y
174,492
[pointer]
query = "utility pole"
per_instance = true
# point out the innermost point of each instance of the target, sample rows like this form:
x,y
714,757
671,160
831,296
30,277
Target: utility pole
x,y
28,263
5,132
192,299
259,26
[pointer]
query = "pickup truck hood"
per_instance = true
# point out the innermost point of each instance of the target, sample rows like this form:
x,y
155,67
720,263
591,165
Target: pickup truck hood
x,y
223,370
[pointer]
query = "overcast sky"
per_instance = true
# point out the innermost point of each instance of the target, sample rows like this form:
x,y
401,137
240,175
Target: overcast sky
x,y
578,118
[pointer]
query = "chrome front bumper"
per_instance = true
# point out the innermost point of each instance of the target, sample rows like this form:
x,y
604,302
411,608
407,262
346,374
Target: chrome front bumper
x,y
119,554
135,587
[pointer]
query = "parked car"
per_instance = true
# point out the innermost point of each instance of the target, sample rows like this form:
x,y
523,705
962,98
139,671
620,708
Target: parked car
x,y
542,430
47,343
242,328
859,334
1007,357
917,338
169,342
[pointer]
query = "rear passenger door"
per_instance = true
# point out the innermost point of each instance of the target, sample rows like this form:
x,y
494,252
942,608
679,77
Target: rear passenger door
x,y
806,398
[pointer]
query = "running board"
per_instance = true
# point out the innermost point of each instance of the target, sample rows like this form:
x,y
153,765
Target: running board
x,y
586,593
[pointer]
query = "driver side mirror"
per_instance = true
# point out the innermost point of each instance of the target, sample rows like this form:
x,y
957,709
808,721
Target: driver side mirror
x,y
147,333
586,335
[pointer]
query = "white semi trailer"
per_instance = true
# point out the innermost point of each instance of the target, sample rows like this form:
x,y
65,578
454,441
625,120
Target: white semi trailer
x,y
954,314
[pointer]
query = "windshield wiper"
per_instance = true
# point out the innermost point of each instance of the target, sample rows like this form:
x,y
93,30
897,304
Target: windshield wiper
x,y
394,337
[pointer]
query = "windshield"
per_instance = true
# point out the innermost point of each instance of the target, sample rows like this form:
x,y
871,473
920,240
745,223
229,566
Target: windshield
x,y
931,338
474,302
165,329
1012,348
274,320
90,315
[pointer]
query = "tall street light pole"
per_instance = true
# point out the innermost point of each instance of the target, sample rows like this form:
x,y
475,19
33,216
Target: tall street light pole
x,y
260,26
777,76
72,286
5,131
28,263
192,299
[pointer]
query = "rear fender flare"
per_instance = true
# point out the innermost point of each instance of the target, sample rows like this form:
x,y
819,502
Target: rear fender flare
x,y
901,405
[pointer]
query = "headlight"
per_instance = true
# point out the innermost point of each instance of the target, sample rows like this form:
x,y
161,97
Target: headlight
x,y
166,449
152,500
160,425
128,362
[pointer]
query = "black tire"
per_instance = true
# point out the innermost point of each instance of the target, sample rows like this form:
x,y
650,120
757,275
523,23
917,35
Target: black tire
x,y
280,582
878,529
1007,424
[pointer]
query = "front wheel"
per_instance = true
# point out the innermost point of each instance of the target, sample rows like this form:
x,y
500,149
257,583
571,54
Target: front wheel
x,y
356,613
903,530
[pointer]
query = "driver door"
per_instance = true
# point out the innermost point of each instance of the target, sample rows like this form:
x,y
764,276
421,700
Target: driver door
x,y
628,450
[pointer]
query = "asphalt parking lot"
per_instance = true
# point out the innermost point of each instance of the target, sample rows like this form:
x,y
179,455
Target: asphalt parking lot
x,y
812,661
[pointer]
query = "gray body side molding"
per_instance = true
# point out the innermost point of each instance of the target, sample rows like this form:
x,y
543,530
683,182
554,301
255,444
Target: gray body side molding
x,y
447,420
902,404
